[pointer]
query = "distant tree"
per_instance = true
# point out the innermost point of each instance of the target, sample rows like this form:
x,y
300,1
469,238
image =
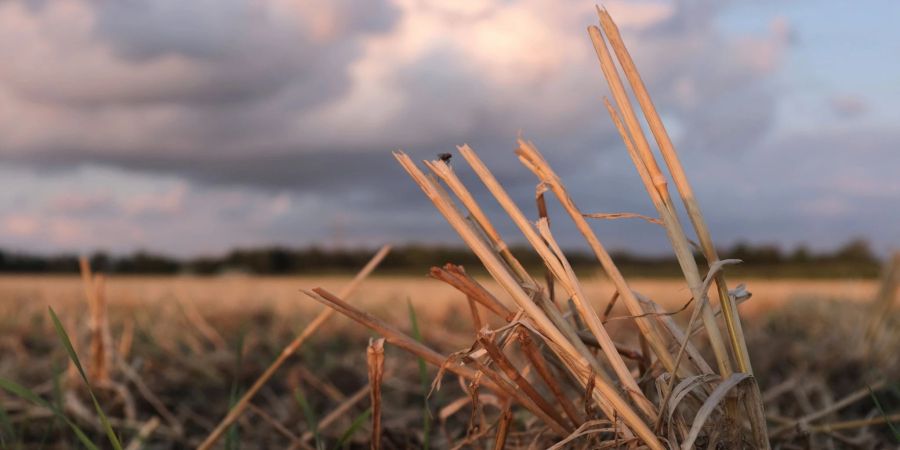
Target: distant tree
x,y
101,262
800,255
765,254
854,259
857,250
144,262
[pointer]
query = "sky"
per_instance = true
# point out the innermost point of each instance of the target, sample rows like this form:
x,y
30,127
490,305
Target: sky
x,y
190,128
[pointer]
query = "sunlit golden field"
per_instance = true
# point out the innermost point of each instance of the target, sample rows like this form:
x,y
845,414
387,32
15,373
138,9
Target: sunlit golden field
x,y
233,299
226,295
180,337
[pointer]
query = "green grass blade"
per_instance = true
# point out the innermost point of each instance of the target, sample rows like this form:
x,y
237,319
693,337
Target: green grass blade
x,y
232,437
25,393
64,337
8,437
423,378
57,387
58,370
884,414
351,430
311,420
45,437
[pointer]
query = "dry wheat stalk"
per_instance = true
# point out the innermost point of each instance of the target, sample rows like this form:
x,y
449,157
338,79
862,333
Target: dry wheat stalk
x,y
558,265
682,249
606,395
662,201
278,426
337,413
514,374
503,429
566,349
101,345
608,385
536,163
443,171
732,320
884,300
143,433
454,276
289,350
375,361
413,346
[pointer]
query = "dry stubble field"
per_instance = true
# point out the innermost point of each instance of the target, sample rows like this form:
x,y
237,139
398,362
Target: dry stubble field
x,y
238,294
234,301
193,345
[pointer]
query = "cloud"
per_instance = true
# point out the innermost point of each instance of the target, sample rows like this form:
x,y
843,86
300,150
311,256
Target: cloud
x,y
20,225
169,83
198,77
819,187
848,106
272,121
183,53
81,203
77,211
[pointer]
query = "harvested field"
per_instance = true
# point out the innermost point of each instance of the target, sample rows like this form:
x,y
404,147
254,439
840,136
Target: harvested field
x,y
193,373
236,295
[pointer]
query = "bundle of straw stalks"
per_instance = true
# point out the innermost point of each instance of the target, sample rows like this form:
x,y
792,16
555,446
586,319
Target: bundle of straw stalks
x,y
559,362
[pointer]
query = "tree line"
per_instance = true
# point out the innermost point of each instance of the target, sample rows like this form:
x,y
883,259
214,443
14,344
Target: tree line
x,y
853,259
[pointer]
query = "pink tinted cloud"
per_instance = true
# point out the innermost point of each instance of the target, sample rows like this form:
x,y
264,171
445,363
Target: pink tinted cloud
x,y
80,202
170,202
21,225
848,106
67,232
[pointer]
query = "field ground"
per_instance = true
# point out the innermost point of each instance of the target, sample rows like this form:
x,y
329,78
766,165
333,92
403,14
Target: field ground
x,y
803,333
243,294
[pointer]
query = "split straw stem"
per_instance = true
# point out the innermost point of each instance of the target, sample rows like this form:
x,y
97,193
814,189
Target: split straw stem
x,y
605,395
729,308
666,210
542,170
556,262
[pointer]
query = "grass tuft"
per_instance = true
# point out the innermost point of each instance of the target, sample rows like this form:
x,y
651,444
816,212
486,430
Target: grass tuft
x,y
357,423
64,337
894,429
27,394
423,378
312,422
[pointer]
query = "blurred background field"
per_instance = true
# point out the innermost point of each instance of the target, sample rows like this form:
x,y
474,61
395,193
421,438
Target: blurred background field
x,y
194,344
235,295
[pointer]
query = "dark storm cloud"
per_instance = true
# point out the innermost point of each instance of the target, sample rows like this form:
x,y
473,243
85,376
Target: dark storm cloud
x,y
318,172
307,100
206,52
212,29
243,91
